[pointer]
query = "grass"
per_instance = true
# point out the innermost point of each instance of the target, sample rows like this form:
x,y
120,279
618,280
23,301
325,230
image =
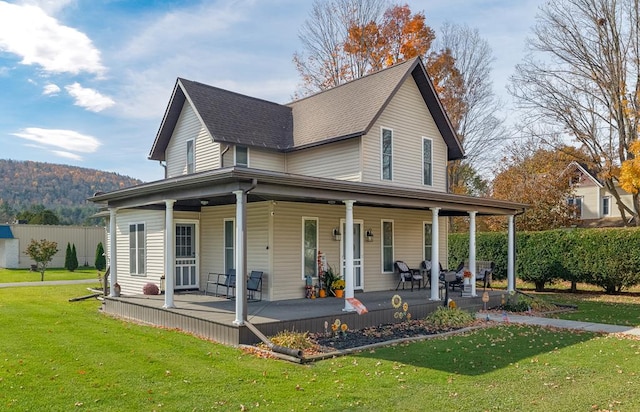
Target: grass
x,y
25,275
62,356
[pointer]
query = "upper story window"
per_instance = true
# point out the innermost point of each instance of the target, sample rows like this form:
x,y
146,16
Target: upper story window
x,y
242,156
427,161
606,205
191,161
387,154
136,249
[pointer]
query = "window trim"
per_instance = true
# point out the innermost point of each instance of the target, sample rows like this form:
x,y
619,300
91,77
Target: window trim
x,y
430,161
608,199
235,156
383,246
382,155
571,201
191,166
226,267
137,249
424,240
303,246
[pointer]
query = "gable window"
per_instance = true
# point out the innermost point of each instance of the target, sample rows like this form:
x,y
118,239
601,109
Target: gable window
x,y
242,156
229,245
136,249
427,241
427,161
310,246
387,154
190,157
606,204
387,246
575,203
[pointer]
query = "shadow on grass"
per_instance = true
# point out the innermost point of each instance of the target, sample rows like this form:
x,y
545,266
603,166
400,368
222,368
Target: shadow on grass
x,y
481,351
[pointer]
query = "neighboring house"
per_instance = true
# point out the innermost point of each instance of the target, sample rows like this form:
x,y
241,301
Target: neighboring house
x,y
595,204
14,240
357,172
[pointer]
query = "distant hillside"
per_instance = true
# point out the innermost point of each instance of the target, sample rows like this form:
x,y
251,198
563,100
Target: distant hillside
x,y
61,188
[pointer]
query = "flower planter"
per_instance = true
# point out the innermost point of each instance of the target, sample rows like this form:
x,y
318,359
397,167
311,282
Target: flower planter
x,y
322,293
339,293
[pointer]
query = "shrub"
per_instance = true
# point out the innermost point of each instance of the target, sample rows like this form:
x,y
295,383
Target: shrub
x,y
150,289
101,260
449,318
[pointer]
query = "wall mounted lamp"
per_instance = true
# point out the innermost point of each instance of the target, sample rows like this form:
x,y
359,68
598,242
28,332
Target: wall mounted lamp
x,y
336,234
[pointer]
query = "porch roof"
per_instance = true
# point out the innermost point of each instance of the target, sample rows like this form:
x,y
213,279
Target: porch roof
x,y
216,187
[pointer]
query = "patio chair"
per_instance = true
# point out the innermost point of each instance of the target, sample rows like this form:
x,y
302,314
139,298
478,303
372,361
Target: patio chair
x,y
425,270
407,274
226,281
254,285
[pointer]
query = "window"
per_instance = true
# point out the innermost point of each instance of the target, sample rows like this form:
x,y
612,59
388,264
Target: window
x,y
387,246
606,203
229,245
387,154
310,246
242,156
427,241
427,162
190,157
136,249
575,203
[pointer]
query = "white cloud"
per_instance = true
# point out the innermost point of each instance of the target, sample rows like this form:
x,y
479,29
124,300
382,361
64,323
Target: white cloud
x,y
28,32
51,90
89,98
50,6
69,141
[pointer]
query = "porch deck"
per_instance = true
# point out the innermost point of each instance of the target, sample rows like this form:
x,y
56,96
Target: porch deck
x,y
212,317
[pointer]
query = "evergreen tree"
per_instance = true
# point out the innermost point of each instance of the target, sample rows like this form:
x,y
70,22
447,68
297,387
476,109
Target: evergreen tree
x,y
74,259
67,257
101,260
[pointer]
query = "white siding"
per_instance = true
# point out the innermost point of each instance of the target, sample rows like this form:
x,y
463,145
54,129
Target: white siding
x,y
266,160
337,160
85,238
207,153
407,115
154,249
592,201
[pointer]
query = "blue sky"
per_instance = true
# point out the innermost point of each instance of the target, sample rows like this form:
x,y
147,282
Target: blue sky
x,y
86,82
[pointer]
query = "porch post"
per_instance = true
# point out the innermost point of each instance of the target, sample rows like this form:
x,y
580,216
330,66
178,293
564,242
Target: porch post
x,y
435,249
511,255
169,251
348,255
113,253
472,251
241,257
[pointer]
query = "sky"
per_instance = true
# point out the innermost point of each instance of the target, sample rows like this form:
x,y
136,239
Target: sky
x,y
87,82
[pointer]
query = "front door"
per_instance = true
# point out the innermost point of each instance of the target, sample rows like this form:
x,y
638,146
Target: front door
x,y
357,253
186,267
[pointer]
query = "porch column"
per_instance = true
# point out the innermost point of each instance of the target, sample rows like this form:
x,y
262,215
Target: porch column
x,y
169,255
435,249
241,257
472,251
349,280
113,253
511,256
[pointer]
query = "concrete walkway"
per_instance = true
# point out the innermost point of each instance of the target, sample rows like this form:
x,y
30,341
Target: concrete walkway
x,y
561,323
49,283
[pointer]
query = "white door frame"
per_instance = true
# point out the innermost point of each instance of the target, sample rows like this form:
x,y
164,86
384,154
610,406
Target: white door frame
x,y
358,268
196,258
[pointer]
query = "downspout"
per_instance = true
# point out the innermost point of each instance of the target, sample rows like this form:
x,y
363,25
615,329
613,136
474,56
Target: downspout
x,y
222,153
296,353
164,166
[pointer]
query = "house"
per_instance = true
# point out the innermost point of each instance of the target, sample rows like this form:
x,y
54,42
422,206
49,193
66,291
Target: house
x,y
595,204
357,173
15,238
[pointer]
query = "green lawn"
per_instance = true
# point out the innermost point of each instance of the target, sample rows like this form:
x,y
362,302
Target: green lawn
x,y
25,275
62,356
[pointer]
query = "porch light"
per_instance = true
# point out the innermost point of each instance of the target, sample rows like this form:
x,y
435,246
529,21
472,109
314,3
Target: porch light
x,y
336,234
369,235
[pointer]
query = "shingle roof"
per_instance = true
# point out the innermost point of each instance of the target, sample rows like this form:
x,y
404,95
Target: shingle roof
x,y
342,112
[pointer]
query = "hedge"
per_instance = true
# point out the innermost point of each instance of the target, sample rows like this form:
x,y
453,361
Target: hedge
x,y
608,258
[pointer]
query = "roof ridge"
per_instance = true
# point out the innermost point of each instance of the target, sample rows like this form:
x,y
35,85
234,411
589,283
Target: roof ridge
x,y
231,92
394,66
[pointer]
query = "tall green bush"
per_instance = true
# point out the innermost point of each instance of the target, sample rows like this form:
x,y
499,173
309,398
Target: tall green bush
x,y
100,261
67,257
73,264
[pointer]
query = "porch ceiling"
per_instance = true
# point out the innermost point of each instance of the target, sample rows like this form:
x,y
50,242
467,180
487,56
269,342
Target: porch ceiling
x,y
216,188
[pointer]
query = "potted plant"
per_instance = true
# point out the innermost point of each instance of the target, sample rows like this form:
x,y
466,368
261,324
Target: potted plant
x,y
329,276
338,287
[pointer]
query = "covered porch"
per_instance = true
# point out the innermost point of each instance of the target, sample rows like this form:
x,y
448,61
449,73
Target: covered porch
x,y
213,318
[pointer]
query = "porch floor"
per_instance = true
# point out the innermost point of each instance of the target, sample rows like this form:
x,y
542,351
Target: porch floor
x,y
212,317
